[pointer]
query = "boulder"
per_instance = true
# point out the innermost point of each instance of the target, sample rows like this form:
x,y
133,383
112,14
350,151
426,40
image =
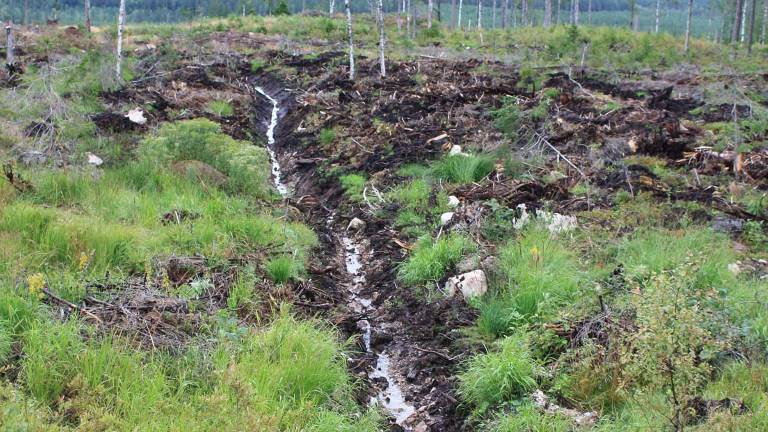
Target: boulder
x,y
471,284
445,218
453,202
356,224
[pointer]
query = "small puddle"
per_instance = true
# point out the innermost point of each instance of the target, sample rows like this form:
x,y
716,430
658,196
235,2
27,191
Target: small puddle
x,y
392,398
276,174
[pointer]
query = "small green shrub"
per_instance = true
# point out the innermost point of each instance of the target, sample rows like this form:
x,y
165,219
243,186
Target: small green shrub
x,y
327,136
353,185
507,372
463,169
282,269
430,260
257,65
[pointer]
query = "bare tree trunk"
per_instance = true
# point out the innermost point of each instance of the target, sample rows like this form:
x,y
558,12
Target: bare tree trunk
x,y
458,23
331,7
557,12
348,10
737,22
493,15
688,26
382,40
547,13
575,12
505,14
429,14
120,27
480,15
88,16
658,16
765,22
632,13
453,13
407,6
751,37
524,12
743,20
9,43
26,12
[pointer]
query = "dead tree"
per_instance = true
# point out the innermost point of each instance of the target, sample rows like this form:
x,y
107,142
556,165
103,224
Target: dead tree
x,y
348,10
750,39
120,28
9,60
88,16
480,16
737,22
547,13
688,26
658,16
383,70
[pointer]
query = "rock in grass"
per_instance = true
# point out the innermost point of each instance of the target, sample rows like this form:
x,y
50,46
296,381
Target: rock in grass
x,y
471,284
446,217
356,224
453,202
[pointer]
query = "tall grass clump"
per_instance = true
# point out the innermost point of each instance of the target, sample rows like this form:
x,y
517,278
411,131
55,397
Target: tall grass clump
x,y
283,268
463,169
538,274
431,259
507,372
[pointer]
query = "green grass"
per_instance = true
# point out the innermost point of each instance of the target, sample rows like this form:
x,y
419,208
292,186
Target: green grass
x,y
282,269
508,371
463,169
353,185
220,108
327,136
430,260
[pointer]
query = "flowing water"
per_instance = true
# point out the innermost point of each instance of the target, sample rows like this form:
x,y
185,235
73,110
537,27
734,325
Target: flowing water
x,y
391,398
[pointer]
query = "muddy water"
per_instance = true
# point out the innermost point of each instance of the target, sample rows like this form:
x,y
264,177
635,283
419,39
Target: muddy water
x,y
391,398
276,173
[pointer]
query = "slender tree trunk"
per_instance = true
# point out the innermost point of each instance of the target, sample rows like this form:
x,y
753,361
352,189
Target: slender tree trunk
x,y
589,12
88,16
120,28
439,13
632,13
751,37
9,60
407,7
658,16
479,15
737,22
458,22
557,12
26,12
429,14
331,7
575,12
453,13
505,14
547,13
348,10
743,20
382,40
765,22
493,15
688,26
524,12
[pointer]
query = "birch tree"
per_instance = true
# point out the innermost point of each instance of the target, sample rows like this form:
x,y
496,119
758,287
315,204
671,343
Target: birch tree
x,y
120,28
9,60
331,7
743,20
576,12
429,14
688,26
88,16
658,16
348,10
458,22
480,16
547,13
383,70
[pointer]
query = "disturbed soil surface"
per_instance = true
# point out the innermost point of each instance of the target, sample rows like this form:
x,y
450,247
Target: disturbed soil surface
x,y
414,115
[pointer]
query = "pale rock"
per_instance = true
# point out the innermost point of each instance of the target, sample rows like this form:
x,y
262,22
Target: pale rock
x,y
446,217
734,268
356,224
137,116
471,284
453,202
456,151
94,160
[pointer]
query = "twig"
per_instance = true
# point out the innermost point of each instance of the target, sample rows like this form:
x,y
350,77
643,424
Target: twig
x,y
70,305
438,353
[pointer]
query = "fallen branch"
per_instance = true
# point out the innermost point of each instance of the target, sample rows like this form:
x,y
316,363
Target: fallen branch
x,y
70,305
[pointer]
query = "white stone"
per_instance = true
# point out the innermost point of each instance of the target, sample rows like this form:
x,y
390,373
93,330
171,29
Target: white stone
x,y
471,284
356,224
453,202
94,160
137,116
446,217
734,268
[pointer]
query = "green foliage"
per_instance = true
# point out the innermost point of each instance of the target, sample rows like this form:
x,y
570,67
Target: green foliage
x,y
507,372
528,418
220,108
430,260
507,117
354,186
327,136
282,9
257,65
283,268
463,169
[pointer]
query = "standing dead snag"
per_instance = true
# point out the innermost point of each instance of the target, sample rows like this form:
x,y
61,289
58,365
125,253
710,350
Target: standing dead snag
x,y
9,43
383,71
351,44
120,27
88,15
